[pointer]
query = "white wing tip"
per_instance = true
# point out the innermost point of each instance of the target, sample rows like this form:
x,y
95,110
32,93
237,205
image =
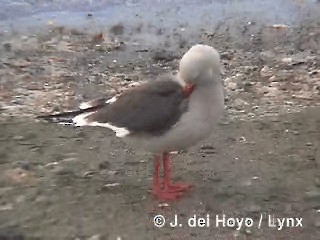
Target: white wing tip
x,y
85,105
90,104
81,120
120,131
111,100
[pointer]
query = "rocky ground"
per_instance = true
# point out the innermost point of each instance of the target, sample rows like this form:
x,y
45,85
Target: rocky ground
x,y
60,182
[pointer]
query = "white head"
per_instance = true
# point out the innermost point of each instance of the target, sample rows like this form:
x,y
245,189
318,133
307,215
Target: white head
x,y
200,64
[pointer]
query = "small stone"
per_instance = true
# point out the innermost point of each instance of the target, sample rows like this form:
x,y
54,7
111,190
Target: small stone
x,y
18,138
70,159
272,78
266,71
231,85
248,231
280,26
88,174
240,104
110,185
50,164
95,237
162,205
242,139
286,60
251,115
207,147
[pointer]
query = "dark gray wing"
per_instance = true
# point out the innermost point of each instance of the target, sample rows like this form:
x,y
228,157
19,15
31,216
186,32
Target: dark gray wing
x,y
152,108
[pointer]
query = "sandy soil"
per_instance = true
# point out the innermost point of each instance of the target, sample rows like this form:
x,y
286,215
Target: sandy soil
x,y
59,182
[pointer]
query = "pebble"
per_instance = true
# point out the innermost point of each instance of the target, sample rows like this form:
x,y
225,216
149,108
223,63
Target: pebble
x,y
286,60
70,159
248,231
161,205
239,104
18,138
95,237
110,185
231,85
89,174
207,147
251,115
266,71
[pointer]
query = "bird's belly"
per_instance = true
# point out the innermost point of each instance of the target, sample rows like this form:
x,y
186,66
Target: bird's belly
x,y
190,130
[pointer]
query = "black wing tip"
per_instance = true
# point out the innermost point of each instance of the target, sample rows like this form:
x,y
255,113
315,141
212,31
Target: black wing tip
x,y
64,117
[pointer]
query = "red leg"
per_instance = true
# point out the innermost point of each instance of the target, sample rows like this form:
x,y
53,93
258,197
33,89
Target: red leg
x,y
165,189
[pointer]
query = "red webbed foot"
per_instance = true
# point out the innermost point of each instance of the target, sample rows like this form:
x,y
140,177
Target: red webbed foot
x,y
164,189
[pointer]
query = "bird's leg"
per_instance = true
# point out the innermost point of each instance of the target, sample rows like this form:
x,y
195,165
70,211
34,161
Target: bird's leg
x,y
163,188
168,185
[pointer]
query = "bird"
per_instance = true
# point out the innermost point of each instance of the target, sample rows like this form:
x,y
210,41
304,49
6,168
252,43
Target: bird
x,y
169,114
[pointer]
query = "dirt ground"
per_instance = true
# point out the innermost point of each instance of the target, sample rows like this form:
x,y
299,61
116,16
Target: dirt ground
x,y
263,160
